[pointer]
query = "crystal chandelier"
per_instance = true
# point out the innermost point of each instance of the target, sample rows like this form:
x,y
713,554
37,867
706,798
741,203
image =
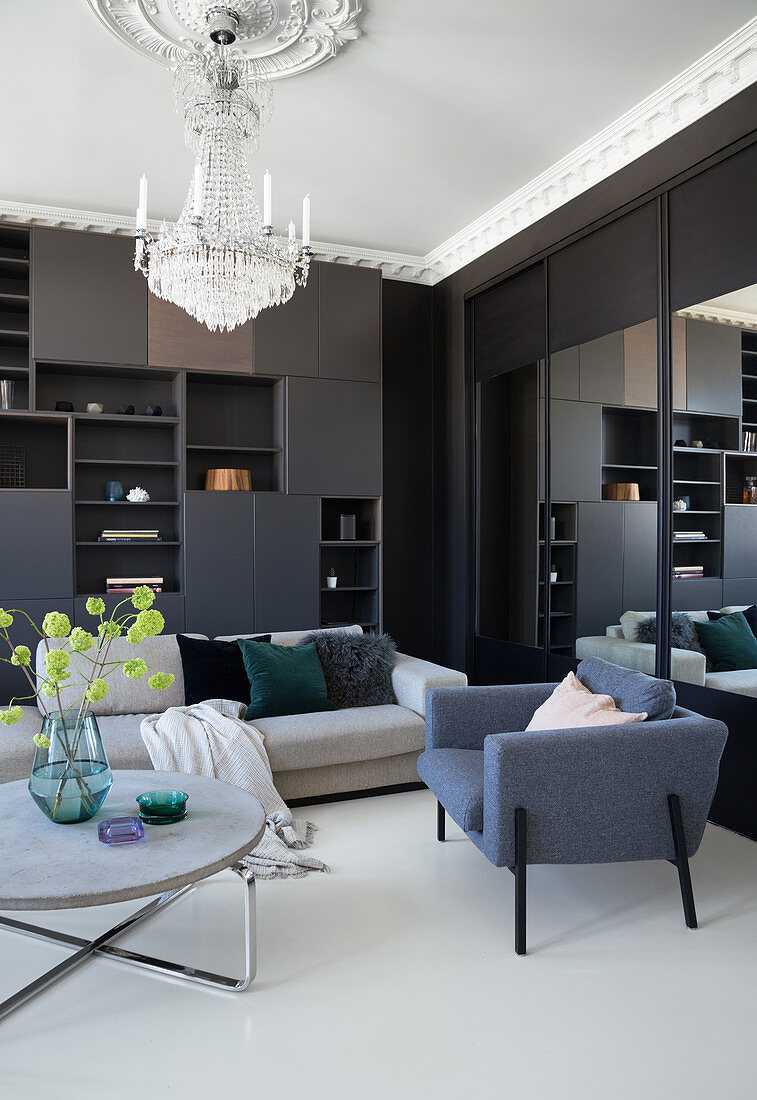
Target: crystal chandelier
x,y
221,261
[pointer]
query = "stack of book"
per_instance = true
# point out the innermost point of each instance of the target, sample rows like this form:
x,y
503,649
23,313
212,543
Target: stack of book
x,y
130,535
685,572
689,536
124,586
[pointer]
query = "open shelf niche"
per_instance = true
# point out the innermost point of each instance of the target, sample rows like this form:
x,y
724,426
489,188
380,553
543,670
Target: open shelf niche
x,y
235,423
357,597
563,530
629,449
14,312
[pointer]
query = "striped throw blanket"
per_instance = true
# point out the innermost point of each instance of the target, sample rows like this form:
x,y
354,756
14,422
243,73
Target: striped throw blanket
x,y
211,739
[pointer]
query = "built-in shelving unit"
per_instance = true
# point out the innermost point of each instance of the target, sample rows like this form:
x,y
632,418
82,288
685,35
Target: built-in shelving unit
x,y
629,448
14,312
356,562
563,528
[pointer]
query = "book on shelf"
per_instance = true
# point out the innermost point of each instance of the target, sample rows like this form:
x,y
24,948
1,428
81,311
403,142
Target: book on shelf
x,y
688,536
130,535
126,585
111,591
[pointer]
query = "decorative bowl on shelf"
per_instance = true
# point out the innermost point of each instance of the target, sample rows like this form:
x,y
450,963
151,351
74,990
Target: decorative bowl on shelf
x,y
621,490
229,480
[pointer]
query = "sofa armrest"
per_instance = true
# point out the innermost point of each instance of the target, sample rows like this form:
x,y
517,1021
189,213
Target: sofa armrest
x,y
412,678
460,718
614,631
599,794
685,664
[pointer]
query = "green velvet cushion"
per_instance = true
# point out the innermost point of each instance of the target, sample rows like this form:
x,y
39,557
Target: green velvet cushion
x,y
284,679
729,643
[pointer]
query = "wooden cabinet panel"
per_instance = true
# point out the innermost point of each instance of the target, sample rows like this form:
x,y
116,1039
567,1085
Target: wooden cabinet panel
x,y
576,431
13,683
175,339
334,433
286,562
218,540
678,340
601,369
90,305
350,323
740,541
640,556
713,368
286,337
36,548
599,571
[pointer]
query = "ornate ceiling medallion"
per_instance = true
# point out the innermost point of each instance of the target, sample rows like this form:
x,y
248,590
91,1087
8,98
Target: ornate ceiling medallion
x,y
281,37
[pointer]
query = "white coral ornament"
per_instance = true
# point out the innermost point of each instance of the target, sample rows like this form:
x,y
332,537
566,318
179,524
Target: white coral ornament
x,y
138,495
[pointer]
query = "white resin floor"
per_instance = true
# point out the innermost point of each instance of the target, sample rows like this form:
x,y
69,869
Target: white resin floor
x,y
395,977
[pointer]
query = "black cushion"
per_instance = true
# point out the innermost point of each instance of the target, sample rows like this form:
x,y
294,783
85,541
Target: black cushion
x,y
214,670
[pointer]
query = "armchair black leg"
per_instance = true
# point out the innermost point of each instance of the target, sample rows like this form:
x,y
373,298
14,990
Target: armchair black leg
x,y
439,821
520,882
681,862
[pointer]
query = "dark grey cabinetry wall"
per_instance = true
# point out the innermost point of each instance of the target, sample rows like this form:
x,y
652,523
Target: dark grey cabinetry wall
x,y
599,580
218,536
334,437
286,582
576,429
90,305
740,541
601,370
350,330
286,337
713,368
36,548
639,555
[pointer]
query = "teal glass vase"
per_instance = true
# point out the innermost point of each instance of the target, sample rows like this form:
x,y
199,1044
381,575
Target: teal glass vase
x,y
71,776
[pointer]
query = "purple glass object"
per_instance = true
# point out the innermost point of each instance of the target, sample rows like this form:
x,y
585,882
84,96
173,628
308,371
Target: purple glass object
x,y
120,830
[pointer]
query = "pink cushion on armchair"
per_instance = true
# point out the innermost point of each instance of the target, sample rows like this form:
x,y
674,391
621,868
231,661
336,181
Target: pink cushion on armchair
x,y
572,706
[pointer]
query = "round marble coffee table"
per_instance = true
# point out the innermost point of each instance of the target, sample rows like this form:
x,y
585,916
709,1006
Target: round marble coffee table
x,y
51,866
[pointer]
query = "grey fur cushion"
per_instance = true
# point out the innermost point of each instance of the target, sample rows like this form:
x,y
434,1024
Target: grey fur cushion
x,y
683,632
357,667
632,691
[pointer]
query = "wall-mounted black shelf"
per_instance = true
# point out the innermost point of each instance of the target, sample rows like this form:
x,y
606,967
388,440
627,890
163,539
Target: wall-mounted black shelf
x,y
122,462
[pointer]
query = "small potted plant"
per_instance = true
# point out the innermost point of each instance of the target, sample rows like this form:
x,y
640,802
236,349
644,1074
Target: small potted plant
x,y
331,578
553,573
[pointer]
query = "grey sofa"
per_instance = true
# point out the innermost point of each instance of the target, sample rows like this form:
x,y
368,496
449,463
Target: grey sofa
x,y
603,794
311,755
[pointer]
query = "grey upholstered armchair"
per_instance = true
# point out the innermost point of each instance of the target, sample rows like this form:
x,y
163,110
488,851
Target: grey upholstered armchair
x,y
602,794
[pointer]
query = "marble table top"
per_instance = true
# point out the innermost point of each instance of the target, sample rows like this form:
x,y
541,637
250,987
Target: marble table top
x,y
48,866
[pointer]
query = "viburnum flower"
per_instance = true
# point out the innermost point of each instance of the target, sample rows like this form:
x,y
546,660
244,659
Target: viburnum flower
x,y
134,635
10,716
161,680
41,741
97,690
150,623
56,661
80,640
143,597
95,606
109,629
47,687
22,655
135,669
56,624
6,619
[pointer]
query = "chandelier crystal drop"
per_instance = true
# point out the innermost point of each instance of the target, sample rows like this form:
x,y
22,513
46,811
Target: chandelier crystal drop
x,y
221,261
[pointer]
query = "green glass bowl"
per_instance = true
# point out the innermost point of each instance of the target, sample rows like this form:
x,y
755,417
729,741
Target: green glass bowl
x,y
162,807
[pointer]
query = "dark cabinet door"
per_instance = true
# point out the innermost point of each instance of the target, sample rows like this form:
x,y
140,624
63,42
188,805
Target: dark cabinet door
x,y
713,368
36,548
599,570
90,305
697,595
601,370
640,556
740,541
576,433
350,323
286,337
218,541
334,431
564,374
13,682
286,562
176,339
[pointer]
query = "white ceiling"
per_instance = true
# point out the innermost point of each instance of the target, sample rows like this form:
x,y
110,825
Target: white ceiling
x,y
435,115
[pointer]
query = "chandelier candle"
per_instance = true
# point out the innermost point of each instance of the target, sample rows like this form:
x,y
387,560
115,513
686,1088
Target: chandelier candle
x,y
221,261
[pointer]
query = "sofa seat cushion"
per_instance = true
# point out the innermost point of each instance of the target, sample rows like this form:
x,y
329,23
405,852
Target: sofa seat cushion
x,y
740,682
295,741
456,777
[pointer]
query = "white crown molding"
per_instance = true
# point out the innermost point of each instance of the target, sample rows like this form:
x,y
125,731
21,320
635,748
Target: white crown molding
x,y
720,316
709,82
